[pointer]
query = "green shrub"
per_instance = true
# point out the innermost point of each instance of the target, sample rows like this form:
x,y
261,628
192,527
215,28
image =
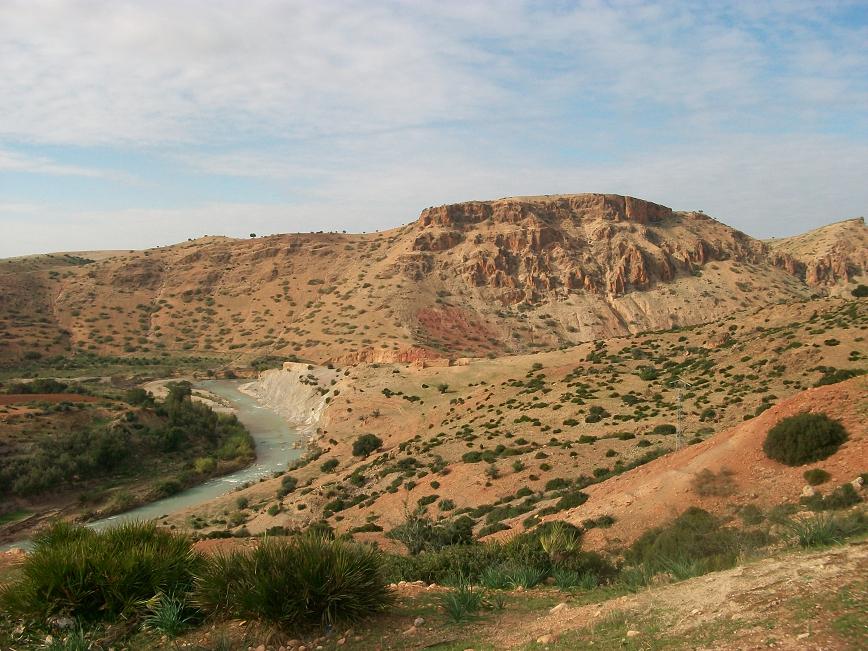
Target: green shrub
x,y
365,444
168,614
510,576
842,497
462,603
100,575
419,533
835,375
664,429
827,529
804,438
566,579
308,581
571,500
693,535
329,465
556,483
816,476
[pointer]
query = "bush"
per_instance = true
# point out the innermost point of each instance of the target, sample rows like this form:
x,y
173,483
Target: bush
x,y
93,575
816,476
365,444
826,529
804,438
328,466
419,533
842,497
308,581
693,536
861,291
663,430
511,576
461,604
571,500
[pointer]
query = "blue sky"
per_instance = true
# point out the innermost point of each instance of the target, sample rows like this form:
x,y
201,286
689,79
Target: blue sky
x,y
134,124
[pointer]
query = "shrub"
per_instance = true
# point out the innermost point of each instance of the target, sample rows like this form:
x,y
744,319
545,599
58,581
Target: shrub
x,y
804,438
842,497
835,375
566,579
511,576
816,476
751,514
693,535
556,483
168,614
419,533
100,575
826,529
365,444
861,291
664,429
571,500
306,581
708,484
560,540
461,604
328,466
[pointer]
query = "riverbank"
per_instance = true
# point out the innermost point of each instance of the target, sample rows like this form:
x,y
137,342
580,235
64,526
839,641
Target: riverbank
x,y
276,446
298,392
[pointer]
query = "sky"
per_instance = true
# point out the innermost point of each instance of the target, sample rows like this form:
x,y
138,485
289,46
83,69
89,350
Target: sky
x,y
135,124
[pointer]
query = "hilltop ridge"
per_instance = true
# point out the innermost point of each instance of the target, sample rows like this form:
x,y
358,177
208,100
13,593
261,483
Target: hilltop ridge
x,y
506,276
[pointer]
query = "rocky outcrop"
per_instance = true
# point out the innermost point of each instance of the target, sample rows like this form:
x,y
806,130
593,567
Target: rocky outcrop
x,y
297,392
830,256
527,248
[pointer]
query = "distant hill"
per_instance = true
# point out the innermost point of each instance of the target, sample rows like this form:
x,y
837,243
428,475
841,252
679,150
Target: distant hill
x,y
484,277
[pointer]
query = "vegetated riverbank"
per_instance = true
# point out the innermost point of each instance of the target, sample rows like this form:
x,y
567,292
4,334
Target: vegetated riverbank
x,y
85,462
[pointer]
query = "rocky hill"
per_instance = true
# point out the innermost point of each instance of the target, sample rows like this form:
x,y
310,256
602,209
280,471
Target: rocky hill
x,y
491,277
833,257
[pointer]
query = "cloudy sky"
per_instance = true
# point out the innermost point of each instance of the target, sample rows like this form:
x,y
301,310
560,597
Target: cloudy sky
x,y
132,124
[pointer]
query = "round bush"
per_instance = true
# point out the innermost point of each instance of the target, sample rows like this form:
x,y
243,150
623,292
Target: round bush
x,y
804,438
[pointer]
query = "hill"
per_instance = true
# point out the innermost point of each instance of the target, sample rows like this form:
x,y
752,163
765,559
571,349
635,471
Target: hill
x,y
497,277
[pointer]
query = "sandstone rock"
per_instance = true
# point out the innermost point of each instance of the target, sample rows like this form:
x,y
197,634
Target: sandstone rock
x,y
808,491
858,483
556,609
419,621
546,639
633,633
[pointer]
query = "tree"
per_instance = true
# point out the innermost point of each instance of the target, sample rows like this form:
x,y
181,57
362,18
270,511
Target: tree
x,y
366,444
253,235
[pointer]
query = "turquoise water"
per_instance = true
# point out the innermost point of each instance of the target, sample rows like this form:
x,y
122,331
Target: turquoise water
x,y
274,450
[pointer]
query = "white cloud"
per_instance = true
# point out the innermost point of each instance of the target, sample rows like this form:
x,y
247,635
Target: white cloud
x,y
11,161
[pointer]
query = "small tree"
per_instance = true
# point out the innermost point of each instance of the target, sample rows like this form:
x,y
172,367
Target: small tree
x,y
366,444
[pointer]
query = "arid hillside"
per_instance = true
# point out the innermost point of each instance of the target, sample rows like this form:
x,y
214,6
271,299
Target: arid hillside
x,y
513,440
496,277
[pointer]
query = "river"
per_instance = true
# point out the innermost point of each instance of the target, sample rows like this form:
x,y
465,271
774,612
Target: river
x,y
274,450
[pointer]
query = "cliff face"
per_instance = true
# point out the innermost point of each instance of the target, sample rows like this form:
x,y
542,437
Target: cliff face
x,y
834,255
604,244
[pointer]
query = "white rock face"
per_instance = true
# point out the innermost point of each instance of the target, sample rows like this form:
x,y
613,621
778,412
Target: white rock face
x,y
293,392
